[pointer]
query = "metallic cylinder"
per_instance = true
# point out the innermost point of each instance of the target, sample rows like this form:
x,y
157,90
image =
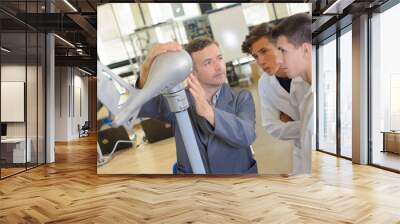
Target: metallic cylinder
x,y
192,150
176,98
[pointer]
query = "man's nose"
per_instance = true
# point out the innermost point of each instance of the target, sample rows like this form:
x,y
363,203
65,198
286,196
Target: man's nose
x,y
279,58
218,66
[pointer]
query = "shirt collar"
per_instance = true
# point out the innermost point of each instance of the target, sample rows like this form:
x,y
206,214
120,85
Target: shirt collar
x,y
215,97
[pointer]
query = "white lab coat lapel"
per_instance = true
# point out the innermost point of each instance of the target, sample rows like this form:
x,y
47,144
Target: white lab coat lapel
x,y
282,98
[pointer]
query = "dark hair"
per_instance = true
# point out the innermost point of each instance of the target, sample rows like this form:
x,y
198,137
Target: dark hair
x,y
261,30
199,44
296,28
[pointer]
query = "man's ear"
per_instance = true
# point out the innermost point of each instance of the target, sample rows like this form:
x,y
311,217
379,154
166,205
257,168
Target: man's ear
x,y
307,49
194,70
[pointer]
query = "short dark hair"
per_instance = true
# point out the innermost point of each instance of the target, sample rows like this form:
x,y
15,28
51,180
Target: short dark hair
x,y
259,31
199,44
296,28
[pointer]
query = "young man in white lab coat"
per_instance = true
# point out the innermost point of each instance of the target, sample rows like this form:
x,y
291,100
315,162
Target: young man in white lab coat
x,y
280,96
293,39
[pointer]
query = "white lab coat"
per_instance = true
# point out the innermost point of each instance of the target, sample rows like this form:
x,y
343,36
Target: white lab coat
x,y
275,99
307,131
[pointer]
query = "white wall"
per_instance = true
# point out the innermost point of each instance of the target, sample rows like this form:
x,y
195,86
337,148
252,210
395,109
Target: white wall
x,y
71,88
12,73
61,103
33,126
80,100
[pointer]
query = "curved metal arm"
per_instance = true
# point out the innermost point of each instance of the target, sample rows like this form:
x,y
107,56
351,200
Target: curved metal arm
x,y
166,74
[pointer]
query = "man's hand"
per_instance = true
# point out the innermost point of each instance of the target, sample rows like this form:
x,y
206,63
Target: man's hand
x,y
203,107
153,53
284,117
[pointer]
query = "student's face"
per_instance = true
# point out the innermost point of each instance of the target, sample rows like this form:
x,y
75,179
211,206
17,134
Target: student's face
x,y
291,57
266,54
209,66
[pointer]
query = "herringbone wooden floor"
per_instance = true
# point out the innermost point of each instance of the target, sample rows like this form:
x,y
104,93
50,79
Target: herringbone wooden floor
x,y
70,191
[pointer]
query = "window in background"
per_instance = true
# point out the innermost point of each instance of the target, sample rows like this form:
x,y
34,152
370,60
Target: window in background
x,y
181,32
160,12
190,10
167,33
394,101
107,28
221,5
111,48
255,13
280,10
124,17
346,94
327,96
294,8
101,53
174,14
115,51
385,87
117,40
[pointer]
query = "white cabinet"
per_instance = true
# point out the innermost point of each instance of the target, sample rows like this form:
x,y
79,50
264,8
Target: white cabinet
x,y
18,144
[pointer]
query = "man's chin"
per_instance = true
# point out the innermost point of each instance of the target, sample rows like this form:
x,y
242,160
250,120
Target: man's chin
x,y
292,75
281,74
268,72
217,82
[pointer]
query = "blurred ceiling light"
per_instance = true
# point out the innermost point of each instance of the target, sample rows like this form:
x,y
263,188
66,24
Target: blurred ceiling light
x,y
5,50
86,72
70,5
64,40
338,6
